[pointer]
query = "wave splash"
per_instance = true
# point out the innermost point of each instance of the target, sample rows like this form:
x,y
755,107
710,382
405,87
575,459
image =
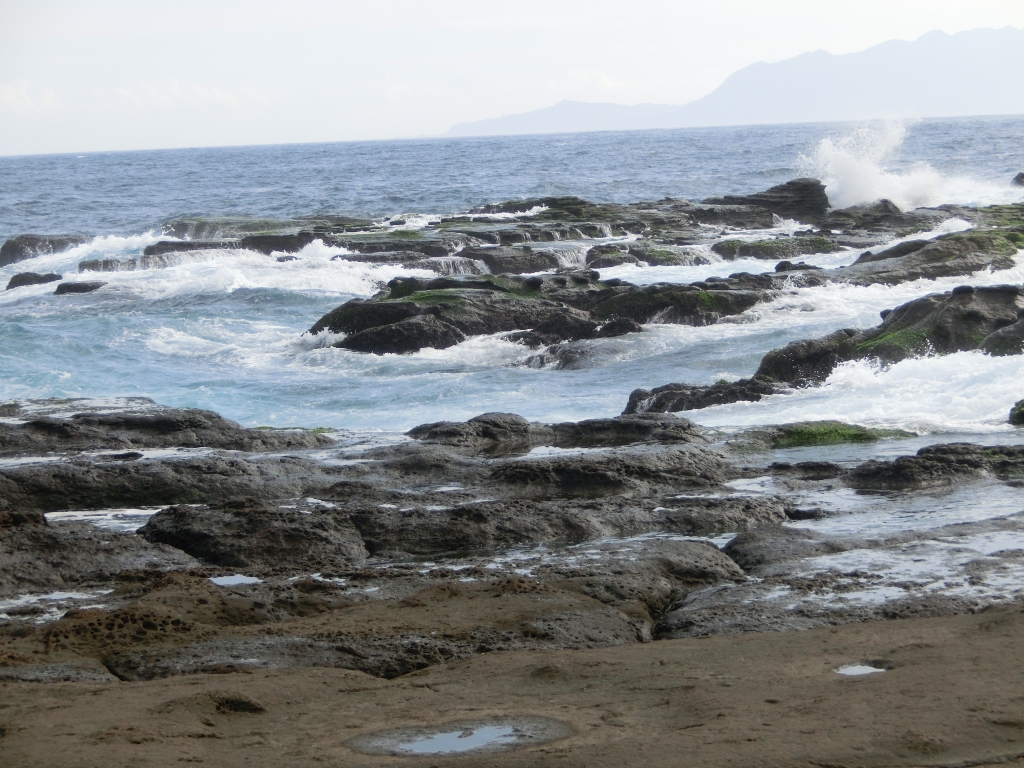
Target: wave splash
x,y
859,168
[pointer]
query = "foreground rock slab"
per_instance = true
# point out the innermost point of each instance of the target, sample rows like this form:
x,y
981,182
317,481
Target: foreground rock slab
x,y
758,700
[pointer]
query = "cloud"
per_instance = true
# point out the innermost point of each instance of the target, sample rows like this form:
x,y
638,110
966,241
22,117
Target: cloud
x,y
23,97
172,94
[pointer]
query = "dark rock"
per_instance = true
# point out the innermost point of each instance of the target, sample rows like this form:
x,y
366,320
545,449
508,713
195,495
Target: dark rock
x,y
1017,413
624,430
508,432
642,581
269,244
555,307
567,326
707,516
392,241
937,466
604,256
985,318
595,475
145,425
811,360
801,199
31,278
1008,340
37,556
961,320
788,266
685,397
405,336
657,255
618,326
85,286
154,261
173,246
81,484
487,431
773,250
513,261
359,315
28,246
962,253
480,527
1018,180
248,534
729,215
771,544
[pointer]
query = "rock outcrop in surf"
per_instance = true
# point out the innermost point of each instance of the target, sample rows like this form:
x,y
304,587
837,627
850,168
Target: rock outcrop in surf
x,y
989,319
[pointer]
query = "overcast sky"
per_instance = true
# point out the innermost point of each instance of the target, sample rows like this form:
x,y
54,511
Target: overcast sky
x,y
113,74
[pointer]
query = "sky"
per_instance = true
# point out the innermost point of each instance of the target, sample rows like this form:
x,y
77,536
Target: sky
x,y
115,75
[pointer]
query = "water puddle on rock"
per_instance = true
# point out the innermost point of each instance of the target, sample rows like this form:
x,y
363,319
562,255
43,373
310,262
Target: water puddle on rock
x,y
855,670
40,609
129,520
462,738
233,581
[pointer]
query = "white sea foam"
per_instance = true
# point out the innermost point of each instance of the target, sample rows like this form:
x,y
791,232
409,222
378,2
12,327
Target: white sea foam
x,y
857,169
962,392
314,268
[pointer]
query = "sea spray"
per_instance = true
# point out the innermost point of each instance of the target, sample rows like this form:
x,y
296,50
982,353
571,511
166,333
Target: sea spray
x,y
862,166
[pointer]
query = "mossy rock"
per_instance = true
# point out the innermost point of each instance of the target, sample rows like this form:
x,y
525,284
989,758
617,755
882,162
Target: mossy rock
x,y
911,340
1017,413
830,433
1004,215
727,248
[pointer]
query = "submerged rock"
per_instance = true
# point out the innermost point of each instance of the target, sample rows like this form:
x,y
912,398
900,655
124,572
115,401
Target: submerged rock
x,y
31,278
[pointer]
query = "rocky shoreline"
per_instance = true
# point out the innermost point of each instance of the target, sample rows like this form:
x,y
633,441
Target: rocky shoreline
x,y
142,542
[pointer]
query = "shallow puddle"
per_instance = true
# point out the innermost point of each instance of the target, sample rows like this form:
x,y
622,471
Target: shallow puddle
x,y
460,738
232,581
854,670
129,520
40,609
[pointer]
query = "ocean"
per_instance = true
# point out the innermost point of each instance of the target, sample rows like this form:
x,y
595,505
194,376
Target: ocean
x,y
225,329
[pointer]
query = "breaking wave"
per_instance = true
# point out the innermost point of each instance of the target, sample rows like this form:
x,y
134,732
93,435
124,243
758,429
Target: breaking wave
x,y
863,166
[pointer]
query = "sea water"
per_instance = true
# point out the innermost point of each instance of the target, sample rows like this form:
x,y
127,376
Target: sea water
x,y
225,329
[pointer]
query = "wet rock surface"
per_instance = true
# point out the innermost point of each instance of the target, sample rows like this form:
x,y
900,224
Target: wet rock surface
x,y
27,246
259,549
83,286
31,278
562,307
465,537
987,318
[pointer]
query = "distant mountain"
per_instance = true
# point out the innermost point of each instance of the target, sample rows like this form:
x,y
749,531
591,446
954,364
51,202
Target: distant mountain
x,y
938,75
